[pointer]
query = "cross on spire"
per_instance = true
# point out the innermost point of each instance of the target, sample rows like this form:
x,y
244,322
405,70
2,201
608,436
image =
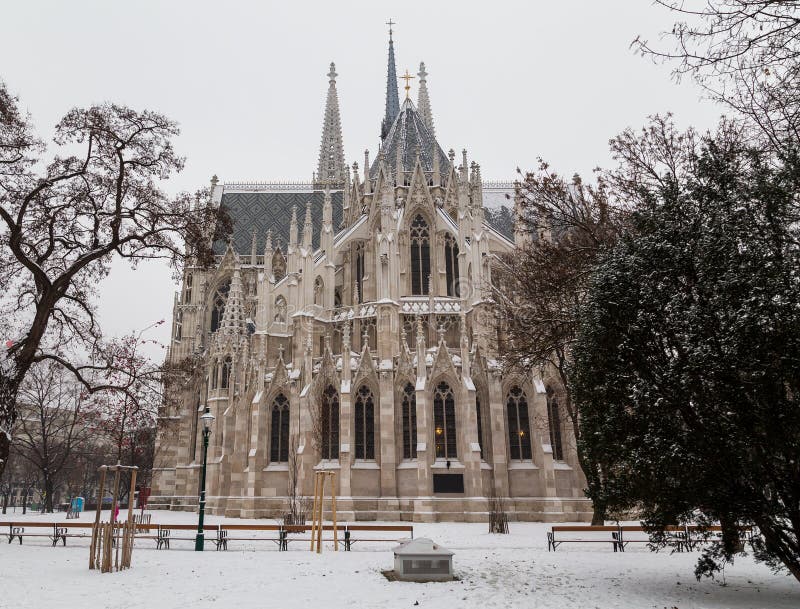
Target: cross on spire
x,y
407,77
390,23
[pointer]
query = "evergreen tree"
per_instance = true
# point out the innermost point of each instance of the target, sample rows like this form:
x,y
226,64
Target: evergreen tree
x,y
687,360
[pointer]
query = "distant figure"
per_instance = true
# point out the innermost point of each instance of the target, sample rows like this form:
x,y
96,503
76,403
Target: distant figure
x,y
116,512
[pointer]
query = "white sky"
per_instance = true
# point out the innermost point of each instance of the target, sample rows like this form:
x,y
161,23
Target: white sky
x,y
509,81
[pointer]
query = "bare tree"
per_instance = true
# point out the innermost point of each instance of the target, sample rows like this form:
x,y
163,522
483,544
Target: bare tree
x,y
5,491
745,54
297,502
63,222
51,425
541,285
128,419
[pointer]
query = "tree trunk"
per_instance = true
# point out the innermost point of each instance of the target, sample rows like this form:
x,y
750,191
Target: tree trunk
x,y
590,470
5,503
24,502
9,387
48,489
780,545
598,513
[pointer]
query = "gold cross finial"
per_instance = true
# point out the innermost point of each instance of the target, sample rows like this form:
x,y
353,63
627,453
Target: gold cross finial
x,y
407,77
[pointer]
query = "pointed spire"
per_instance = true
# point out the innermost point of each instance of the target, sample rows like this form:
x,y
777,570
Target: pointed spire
x,y
268,246
437,172
420,349
308,226
233,317
293,229
268,253
331,167
326,234
392,98
367,185
423,100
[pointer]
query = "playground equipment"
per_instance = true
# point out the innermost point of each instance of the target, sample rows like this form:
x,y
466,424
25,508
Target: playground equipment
x,y
319,497
110,536
75,507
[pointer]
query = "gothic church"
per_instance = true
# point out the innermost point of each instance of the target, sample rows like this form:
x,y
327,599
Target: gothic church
x,y
348,325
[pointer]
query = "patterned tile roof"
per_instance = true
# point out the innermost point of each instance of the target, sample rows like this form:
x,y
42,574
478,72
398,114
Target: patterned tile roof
x,y
409,133
273,210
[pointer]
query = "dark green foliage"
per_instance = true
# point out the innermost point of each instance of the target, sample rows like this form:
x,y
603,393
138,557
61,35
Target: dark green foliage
x,y
687,362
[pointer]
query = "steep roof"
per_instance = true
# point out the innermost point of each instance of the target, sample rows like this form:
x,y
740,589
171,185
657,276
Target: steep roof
x,y
272,209
408,134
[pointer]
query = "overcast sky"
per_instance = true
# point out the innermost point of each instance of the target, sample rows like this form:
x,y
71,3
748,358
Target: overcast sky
x,y
508,81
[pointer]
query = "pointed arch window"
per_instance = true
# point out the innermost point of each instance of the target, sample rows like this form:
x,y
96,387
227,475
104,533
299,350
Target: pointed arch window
x,y
178,326
227,366
214,374
279,430
359,262
278,265
444,422
519,427
280,310
451,265
195,418
319,290
409,415
419,235
218,305
365,424
479,418
329,424
187,293
554,422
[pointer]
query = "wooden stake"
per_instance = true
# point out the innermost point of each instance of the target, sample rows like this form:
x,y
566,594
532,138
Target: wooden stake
x,y
333,512
95,528
321,511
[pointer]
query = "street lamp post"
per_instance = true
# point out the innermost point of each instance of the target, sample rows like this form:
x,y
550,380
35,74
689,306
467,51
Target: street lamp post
x,y
207,418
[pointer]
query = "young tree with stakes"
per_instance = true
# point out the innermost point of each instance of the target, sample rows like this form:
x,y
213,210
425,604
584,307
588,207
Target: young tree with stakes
x,y
64,221
128,419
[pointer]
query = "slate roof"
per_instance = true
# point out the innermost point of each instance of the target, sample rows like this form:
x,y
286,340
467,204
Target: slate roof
x,y
273,210
409,133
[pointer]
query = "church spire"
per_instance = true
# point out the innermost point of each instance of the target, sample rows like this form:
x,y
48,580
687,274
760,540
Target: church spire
x,y
308,227
423,101
392,99
233,321
331,167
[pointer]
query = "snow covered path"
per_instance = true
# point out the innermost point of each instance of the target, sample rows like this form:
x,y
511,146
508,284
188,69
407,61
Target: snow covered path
x,y
495,571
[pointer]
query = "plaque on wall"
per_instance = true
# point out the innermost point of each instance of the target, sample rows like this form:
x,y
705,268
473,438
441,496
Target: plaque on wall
x,y
448,483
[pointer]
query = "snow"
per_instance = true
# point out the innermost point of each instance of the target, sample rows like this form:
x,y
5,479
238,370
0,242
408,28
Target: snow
x,y
512,570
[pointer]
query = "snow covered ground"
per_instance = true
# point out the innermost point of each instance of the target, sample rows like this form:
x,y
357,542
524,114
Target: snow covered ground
x,y
512,570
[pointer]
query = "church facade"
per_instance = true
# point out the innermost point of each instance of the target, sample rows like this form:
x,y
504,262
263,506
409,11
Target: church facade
x,y
348,325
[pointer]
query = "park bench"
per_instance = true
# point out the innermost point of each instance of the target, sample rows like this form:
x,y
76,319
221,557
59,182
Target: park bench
x,y
15,532
58,532
280,534
349,540
684,538
681,537
164,533
559,534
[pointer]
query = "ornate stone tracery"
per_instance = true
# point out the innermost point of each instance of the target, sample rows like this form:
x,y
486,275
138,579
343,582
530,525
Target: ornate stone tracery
x,y
359,336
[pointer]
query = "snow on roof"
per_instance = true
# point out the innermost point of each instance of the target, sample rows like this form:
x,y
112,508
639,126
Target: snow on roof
x,y
421,546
